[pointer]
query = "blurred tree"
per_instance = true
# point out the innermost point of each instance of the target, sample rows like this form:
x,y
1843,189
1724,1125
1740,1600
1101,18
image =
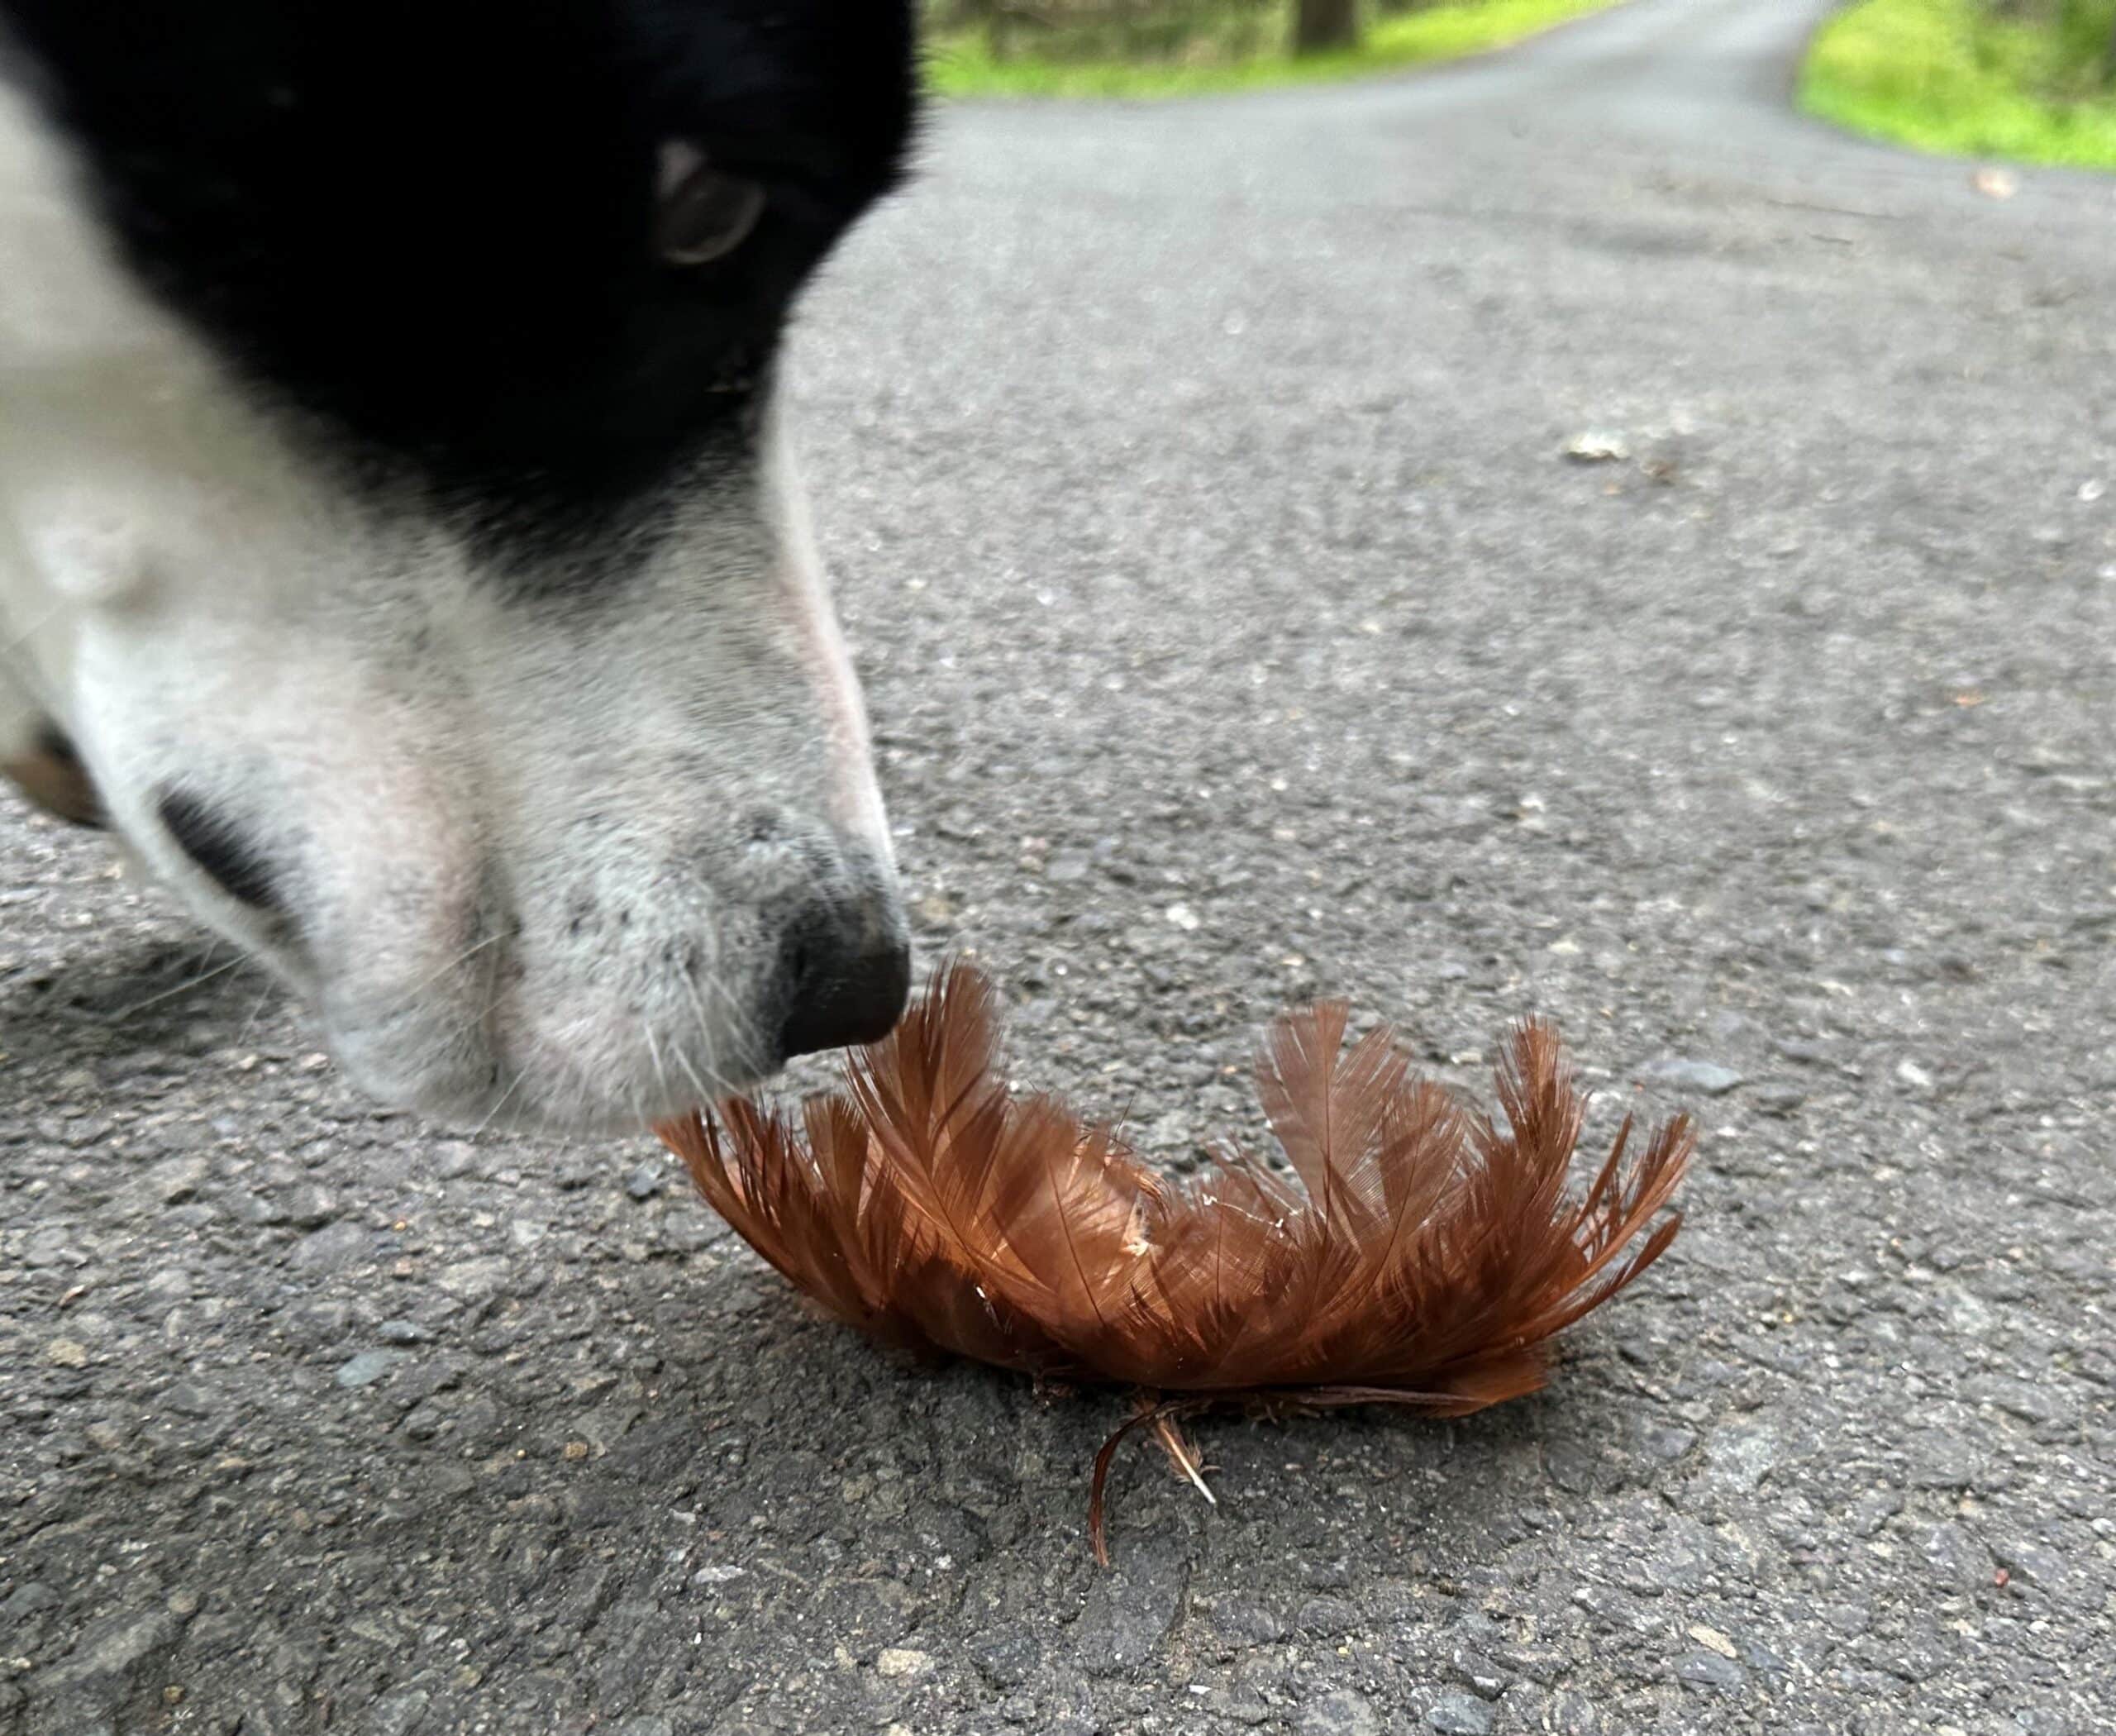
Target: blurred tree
x,y
1321,25
1134,30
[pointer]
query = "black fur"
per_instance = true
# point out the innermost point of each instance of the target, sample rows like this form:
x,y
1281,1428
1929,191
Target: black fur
x,y
426,226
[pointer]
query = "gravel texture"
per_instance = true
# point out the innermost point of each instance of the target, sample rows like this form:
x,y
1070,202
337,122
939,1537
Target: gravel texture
x,y
1558,533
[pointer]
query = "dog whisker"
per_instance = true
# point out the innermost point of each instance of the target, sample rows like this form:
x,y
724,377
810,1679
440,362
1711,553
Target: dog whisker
x,y
499,1103
654,1054
745,1027
263,1000
197,982
455,964
708,1096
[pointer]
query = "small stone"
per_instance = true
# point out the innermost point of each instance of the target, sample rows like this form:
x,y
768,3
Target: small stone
x,y
309,1207
1849,1620
1345,1713
398,1714
1739,1459
576,1451
1483,1677
2027,1564
1182,916
1459,1715
1131,1611
470,1280
331,1247
1597,446
367,1367
900,1660
1940,1461
1333,1573
1679,1075
689,1233
190,1399
111,1653
1958,1559
107,1436
1713,1640
1666,1443
423,1421
182,1604
169,1284
1778,1097
1067,866
66,1353
326,1318
1248,1624
177,1180
1009,1659
402,1332
647,1180
1708,1670
2024,1400
27,1601
1327,1617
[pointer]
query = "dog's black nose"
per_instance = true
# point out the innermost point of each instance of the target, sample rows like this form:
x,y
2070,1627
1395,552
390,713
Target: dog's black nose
x,y
848,974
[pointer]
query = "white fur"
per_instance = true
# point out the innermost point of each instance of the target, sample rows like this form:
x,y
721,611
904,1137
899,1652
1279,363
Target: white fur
x,y
428,767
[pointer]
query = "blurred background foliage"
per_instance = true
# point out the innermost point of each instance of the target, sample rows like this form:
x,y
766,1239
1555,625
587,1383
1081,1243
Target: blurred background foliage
x,y
2032,79
1170,47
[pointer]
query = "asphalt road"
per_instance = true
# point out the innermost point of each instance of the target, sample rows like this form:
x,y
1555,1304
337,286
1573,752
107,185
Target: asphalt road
x,y
1235,627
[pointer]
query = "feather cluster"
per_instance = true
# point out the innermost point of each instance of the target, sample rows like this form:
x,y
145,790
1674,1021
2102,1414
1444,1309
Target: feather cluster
x,y
1411,1253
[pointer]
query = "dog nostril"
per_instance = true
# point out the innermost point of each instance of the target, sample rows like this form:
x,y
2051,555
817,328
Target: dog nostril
x,y
844,987
212,842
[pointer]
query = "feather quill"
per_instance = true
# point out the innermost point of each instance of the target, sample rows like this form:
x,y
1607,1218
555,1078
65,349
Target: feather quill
x,y
1417,1255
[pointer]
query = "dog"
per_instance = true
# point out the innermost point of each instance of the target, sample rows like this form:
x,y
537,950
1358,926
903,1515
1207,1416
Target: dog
x,y
398,547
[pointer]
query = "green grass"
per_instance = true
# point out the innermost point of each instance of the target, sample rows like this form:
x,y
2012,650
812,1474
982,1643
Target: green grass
x,y
1946,76
963,65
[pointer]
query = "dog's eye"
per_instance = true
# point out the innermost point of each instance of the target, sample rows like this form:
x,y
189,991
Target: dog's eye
x,y
705,212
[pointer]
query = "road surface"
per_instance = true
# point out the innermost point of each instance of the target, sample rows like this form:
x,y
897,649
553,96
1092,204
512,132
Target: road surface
x,y
1237,627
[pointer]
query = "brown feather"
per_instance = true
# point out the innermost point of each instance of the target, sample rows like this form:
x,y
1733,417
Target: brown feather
x,y
1418,1255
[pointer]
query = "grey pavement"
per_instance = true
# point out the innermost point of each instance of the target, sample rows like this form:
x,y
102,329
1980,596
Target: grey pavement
x,y
1236,627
